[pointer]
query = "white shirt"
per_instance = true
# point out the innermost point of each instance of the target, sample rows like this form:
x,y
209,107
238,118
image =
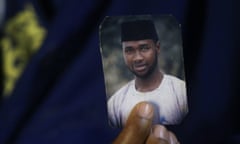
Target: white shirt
x,y
169,100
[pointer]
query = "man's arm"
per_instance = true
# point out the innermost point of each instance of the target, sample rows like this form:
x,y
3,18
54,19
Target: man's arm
x,y
112,112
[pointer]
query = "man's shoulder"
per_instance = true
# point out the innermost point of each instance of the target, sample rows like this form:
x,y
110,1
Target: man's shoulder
x,y
175,82
173,79
124,89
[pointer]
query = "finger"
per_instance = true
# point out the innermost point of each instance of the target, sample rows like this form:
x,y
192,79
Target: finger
x,y
160,131
173,138
152,139
138,125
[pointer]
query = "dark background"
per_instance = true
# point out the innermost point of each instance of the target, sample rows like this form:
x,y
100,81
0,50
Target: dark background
x,y
60,97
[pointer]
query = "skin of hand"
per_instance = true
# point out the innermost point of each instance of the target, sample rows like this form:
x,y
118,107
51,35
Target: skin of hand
x,y
139,128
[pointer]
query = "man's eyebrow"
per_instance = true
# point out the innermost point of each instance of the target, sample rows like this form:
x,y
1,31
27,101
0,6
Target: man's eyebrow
x,y
128,47
143,45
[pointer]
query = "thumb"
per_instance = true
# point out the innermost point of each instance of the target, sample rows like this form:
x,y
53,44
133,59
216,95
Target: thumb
x,y
138,125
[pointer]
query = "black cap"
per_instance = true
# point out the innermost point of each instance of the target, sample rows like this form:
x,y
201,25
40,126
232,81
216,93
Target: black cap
x,y
138,30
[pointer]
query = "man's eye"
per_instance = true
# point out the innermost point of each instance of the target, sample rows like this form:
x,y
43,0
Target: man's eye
x,y
144,48
128,51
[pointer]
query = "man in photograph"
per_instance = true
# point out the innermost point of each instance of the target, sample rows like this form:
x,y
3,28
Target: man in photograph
x,y
141,48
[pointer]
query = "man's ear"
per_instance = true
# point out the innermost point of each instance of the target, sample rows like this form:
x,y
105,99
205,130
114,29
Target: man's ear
x,y
158,46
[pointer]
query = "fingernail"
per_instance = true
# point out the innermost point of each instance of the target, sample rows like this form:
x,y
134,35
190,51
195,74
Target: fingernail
x,y
161,132
145,110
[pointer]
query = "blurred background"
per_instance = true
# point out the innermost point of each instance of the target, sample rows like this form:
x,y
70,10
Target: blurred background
x,y
170,60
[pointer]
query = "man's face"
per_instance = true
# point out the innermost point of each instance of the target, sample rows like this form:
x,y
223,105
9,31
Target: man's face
x,y
141,56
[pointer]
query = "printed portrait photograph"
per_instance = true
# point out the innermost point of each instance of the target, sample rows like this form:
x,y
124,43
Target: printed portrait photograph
x,y
142,58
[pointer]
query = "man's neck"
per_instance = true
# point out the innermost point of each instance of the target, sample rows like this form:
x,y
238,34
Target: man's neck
x,y
150,83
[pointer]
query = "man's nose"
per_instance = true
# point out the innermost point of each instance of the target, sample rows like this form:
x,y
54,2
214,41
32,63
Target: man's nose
x,y
138,56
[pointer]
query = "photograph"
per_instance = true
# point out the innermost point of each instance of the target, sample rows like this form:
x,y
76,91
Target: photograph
x,y
142,58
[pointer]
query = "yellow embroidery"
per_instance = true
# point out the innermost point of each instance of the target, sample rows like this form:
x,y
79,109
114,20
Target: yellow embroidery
x,y
22,38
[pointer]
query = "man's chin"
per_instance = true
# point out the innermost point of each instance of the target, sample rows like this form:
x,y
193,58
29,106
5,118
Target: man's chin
x,y
141,75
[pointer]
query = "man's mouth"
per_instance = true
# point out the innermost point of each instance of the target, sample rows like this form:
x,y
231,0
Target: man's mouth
x,y
140,67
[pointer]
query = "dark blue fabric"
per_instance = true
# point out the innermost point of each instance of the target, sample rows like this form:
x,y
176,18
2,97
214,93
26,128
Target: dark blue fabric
x,y
60,98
